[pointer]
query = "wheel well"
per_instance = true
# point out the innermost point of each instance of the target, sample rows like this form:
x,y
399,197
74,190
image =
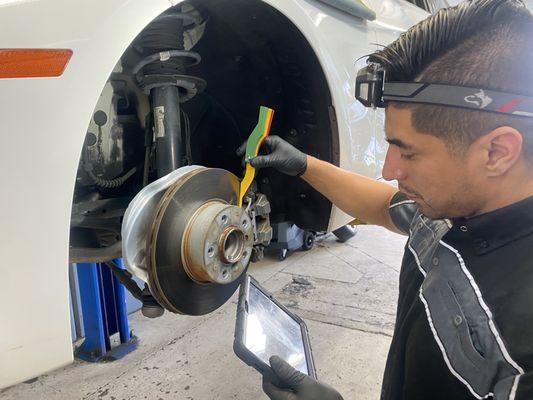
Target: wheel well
x,y
252,55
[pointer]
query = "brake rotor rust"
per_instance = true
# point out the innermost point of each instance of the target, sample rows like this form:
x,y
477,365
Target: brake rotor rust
x,y
200,243
217,242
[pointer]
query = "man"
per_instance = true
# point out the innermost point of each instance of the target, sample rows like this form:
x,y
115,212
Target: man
x,y
464,327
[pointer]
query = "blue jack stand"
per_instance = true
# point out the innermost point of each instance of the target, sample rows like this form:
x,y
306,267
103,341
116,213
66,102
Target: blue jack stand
x,y
105,318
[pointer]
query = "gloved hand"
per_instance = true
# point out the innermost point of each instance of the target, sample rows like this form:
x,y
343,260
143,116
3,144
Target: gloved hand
x,y
295,385
282,156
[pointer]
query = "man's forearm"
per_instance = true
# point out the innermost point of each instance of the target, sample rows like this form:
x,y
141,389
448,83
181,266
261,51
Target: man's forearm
x,y
361,197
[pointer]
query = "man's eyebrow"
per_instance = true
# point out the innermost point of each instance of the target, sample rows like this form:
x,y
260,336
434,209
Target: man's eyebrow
x,y
399,143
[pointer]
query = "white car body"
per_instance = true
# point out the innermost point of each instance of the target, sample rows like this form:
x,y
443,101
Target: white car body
x,y
43,126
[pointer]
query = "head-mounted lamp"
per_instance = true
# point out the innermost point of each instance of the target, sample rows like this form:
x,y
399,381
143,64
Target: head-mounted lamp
x,y
372,90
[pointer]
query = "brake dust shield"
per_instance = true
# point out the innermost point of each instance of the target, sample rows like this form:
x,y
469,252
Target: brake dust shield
x,y
199,243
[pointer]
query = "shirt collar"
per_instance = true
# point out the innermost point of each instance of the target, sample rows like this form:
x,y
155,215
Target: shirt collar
x,y
497,228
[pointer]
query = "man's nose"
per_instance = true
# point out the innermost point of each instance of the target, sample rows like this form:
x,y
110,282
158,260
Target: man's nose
x,y
392,169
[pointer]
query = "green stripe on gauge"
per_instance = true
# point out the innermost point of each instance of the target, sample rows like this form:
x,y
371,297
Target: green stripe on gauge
x,y
255,140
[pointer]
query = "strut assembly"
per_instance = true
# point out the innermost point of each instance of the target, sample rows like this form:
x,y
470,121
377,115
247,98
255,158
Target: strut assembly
x,y
161,73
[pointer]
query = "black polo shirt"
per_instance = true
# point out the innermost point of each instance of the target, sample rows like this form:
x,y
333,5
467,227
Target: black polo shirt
x,y
464,325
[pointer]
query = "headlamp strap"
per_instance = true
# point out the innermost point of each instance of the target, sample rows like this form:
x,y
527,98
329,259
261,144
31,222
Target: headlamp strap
x,y
459,96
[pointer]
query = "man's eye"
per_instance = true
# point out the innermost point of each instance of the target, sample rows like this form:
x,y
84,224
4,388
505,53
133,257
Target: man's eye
x,y
407,156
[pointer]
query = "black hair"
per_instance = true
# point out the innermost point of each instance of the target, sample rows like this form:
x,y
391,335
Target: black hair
x,y
408,56
480,43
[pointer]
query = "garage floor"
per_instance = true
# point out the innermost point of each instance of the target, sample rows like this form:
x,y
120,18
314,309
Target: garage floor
x,y
346,293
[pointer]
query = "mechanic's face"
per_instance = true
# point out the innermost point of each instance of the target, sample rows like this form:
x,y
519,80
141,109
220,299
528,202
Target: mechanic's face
x,y
442,184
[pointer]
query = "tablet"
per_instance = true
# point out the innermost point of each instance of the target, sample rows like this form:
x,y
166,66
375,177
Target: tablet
x,y
265,328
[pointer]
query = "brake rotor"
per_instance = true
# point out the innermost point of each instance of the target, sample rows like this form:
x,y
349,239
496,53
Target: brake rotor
x,y
200,242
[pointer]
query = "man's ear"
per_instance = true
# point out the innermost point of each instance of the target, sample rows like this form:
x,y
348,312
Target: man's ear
x,y
502,148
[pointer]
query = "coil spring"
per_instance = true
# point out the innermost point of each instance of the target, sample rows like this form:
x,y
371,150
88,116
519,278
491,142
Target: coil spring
x,y
164,59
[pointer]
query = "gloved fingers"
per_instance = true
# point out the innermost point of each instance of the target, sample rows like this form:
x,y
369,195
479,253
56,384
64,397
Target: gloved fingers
x,y
286,373
267,146
268,142
273,142
275,393
260,161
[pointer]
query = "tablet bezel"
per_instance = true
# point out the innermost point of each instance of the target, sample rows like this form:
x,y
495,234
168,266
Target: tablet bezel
x,y
240,329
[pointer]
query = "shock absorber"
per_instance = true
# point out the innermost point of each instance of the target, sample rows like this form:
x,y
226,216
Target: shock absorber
x,y
161,73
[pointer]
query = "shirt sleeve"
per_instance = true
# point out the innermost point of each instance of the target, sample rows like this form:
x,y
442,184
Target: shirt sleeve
x,y
402,211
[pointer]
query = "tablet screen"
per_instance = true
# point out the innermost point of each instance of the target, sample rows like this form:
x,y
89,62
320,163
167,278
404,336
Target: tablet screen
x,y
271,331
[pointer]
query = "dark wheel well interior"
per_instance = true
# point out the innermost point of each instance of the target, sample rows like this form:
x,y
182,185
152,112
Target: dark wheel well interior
x,y
253,55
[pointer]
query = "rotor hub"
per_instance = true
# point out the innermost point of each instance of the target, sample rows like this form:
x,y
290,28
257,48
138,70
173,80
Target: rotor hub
x,y
217,243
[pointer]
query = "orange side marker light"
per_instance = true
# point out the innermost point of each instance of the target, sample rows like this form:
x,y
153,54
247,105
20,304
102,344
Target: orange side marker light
x,y
33,63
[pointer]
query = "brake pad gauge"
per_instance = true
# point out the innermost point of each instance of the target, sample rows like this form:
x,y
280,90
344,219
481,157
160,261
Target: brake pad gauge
x,y
253,144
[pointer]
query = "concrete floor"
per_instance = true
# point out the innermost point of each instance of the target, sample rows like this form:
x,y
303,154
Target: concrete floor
x,y
345,292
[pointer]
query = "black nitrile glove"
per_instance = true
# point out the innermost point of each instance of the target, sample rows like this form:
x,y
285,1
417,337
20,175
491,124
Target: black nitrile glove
x,y
282,156
295,385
